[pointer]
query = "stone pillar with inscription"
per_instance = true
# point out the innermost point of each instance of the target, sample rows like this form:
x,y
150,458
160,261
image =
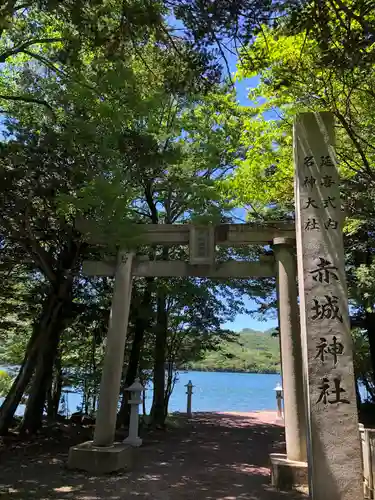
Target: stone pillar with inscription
x,y
102,454
334,451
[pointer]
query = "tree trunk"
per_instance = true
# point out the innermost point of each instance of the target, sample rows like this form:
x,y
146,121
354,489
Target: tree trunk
x,y
144,403
370,316
14,396
43,342
169,388
86,395
54,392
370,327
357,393
93,377
42,381
52,327
38,339
141,324
161,331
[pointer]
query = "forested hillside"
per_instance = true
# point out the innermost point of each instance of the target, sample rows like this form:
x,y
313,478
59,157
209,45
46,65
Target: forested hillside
x,y
252,351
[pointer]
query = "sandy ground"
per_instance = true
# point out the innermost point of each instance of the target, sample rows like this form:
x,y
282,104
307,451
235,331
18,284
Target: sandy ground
x,y
215,456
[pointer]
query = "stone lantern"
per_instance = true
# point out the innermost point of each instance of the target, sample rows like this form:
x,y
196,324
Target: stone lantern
x,y
135,400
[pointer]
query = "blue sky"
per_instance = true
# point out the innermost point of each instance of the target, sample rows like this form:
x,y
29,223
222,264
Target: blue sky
x,y
243,320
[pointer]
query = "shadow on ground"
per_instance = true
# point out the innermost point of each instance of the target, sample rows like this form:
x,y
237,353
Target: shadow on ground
x,y
212,457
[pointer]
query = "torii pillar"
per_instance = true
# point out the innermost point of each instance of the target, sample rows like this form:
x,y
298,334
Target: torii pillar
x,y
103,455
290,469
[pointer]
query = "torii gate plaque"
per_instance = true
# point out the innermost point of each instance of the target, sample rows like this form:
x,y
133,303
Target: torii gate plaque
x,y
202,245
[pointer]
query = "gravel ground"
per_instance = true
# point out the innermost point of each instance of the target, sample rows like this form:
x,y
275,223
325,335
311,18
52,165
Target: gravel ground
x,y
214,456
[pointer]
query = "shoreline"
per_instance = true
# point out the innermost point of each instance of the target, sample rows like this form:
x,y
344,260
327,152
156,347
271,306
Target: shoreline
x,y
256,416
261,416
226,370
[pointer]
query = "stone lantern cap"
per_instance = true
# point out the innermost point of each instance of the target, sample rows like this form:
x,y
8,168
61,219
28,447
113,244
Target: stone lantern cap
x,y
136,386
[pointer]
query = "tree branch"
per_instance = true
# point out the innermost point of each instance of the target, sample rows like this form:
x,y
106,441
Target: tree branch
x,y
222,53
355,142
150,202
28,99
21,48
42,258
45,61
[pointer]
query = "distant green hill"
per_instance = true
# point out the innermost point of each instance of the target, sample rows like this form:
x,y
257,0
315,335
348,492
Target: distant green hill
x,y
253,351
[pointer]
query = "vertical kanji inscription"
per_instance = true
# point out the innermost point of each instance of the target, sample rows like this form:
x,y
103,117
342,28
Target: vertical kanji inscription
x,y
336,470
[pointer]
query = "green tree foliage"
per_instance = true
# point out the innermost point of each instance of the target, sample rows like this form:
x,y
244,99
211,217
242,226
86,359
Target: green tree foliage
x,y
114,114
5,383
291,82
123,122
363,363
293,79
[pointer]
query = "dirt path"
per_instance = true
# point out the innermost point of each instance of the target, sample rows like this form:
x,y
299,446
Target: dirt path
x,y
218,456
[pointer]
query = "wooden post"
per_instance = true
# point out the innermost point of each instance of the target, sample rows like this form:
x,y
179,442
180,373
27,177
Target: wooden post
x,y
189,392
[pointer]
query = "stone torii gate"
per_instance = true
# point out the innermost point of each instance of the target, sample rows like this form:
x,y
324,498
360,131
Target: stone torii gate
x,y
202,241
316,355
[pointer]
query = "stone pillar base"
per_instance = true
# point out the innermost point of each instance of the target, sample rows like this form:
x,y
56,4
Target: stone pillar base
x,y
287,474
100,459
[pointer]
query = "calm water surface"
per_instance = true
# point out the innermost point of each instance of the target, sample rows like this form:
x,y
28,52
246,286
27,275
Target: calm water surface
x,y
213,391
216,391
222,391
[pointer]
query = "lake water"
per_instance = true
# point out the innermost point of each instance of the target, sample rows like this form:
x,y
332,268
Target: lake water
x,y
221,391
213,391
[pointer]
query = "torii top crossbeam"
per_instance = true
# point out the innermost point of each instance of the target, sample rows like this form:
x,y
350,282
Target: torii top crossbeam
x,y
179,234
